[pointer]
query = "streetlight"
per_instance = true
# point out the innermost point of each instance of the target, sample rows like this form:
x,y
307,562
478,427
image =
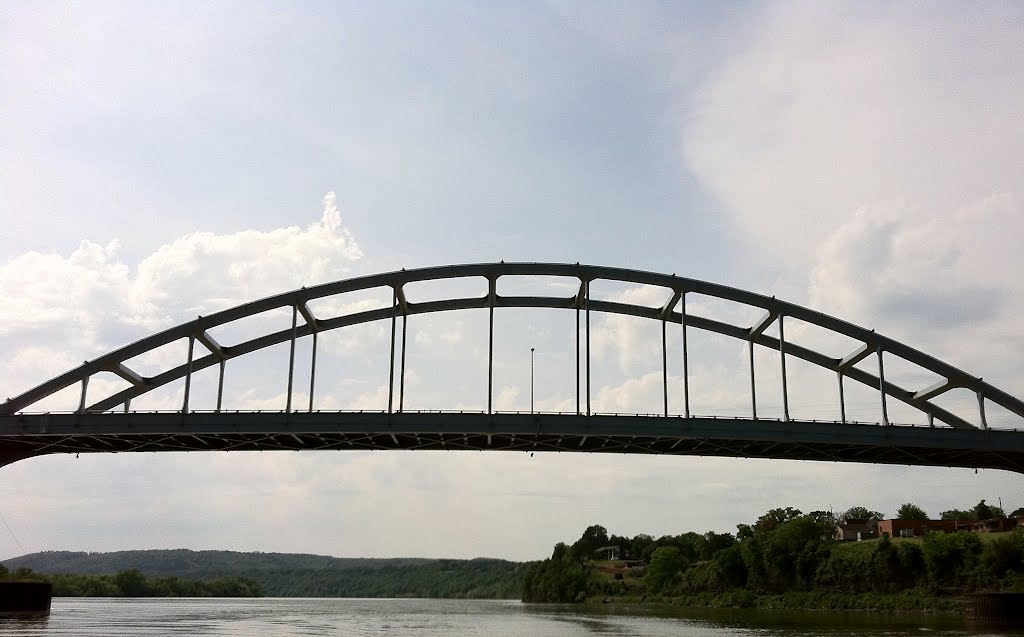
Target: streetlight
x,y
531,380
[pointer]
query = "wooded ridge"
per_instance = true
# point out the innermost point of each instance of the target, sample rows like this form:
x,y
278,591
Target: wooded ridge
x,y
293,575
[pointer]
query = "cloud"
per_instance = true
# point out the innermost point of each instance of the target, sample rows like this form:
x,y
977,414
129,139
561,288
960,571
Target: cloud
x,y
878,151
200,267
823,109
91,301
927,270
940,282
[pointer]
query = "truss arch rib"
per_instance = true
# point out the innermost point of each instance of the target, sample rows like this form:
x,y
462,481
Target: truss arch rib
x,y
213,353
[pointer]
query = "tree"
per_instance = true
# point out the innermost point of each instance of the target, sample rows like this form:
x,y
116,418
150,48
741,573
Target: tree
x,y
1018,512
690,545
730,565
911,511
1005,554
639,545
949,557
860,513
957,514
982,511
714,543
131,582
593,538
776,518
666,561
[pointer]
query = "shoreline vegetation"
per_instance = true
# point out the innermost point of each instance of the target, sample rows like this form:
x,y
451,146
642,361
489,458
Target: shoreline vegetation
x,y
912,601
786,560
187,573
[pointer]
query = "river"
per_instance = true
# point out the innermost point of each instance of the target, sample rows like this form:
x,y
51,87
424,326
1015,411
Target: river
x,y
308,617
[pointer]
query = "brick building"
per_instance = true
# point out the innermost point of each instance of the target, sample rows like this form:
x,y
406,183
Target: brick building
x,y
914,528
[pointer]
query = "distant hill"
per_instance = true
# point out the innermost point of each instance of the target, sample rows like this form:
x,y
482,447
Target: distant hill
x,y
300,575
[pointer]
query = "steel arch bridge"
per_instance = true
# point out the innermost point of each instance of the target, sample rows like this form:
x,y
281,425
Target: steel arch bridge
x,y
108,424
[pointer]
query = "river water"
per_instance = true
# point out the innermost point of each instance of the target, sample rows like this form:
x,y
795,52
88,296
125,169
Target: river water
x,y
293,617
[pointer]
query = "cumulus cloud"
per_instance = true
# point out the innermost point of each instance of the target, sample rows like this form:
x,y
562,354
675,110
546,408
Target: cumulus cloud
x,y
939,282
879,151
247,264
91,301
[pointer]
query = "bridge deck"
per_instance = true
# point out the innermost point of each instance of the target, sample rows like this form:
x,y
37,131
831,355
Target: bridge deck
x,y
28,435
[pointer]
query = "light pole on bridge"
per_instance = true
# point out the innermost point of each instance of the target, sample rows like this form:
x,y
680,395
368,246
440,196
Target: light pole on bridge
x,y
531,380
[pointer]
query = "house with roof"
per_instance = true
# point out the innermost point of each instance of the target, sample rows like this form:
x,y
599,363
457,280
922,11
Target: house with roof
x,y
853,530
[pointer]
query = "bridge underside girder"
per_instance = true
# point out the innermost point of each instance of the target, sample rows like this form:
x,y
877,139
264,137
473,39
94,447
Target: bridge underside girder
x,y
29,435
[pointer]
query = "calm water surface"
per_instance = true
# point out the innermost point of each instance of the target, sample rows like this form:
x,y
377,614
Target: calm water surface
x,y
291,617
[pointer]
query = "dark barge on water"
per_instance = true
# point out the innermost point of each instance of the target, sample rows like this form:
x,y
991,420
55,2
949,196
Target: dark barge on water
x,y
25,598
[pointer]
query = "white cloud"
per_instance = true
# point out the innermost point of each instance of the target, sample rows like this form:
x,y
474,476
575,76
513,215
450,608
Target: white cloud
x,y
218,271
825,108
881,150
90,301
508,399
627,337
940,282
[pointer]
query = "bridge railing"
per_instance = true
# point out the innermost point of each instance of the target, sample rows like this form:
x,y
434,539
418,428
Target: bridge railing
x,y
516,412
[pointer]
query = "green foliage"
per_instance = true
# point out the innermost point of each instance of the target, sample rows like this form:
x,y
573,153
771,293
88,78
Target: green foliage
x,y
788,559
775,518
889,567
911,511
950,557
560,578
1005,555
470,579
592,539
666,561
860,513
958,514
641,546
20,574
279,574
983,511
196,564
715,543
788,556
980,511
132,583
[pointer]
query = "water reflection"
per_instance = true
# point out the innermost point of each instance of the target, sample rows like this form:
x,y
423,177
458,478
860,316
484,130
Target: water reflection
x,y
311,617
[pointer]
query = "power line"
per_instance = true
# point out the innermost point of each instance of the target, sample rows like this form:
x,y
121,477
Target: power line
x,y
12,532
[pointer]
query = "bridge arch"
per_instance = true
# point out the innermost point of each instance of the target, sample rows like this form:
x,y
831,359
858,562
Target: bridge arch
x,y
204,351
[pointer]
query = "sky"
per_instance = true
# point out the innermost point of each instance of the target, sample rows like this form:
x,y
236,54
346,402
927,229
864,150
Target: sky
x,y
163,160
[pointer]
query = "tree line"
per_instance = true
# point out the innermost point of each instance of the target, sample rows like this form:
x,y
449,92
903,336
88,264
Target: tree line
x,y
132,583
181,572
785,550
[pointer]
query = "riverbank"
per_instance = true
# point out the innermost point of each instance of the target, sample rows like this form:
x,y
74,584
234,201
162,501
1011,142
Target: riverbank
x,y
908,601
